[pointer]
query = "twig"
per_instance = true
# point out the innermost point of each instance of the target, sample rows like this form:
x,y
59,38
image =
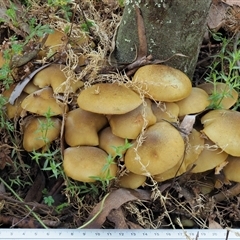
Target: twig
x,y
230,193
21,200
38,207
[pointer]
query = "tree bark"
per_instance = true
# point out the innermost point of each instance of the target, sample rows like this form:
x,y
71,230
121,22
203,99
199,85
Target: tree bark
x,y
172,26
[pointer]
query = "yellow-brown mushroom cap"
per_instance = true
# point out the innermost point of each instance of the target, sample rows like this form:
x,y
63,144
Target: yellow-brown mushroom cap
x,y
231,170
130,124
109,142
34,138
41,102
175,171
162,149
223,128
54,76
107,98
50,76
81,127
15,109
86,163
30,88
131,180
2,60
209,158
196,102
194,147
167,111
55,40
163,83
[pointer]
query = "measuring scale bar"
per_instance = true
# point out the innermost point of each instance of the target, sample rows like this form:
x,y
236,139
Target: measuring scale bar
x,y
116,234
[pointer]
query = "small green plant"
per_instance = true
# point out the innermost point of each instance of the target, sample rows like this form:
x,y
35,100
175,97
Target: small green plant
x,y
61,207
37,30
63,7
11,13
87,25
50,157
4,122
50,163
47,199
5,71
109,161
224,69
16,49
74,188
121,3
45,126
17,181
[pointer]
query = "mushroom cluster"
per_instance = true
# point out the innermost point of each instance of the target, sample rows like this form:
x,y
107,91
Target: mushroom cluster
x,y
147,113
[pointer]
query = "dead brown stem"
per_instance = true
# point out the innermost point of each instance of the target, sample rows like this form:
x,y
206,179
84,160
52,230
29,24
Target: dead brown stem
x,y
230,193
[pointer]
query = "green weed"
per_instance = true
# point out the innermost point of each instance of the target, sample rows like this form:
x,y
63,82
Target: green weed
x,y
51,157
12,15
61,207
105,181
37,30
4,122
87,25
121,3
17,181
47,199
225,70
74,188
63,7
5,72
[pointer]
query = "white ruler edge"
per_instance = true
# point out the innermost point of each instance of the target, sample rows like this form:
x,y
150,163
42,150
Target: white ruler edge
x,y
109,234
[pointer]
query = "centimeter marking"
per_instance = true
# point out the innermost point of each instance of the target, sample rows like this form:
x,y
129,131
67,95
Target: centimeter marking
x,y
113,234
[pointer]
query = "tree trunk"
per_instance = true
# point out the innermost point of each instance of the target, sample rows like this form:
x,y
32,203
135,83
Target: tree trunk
x,y
172,26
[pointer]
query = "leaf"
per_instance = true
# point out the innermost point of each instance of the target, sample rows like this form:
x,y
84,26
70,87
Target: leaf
x,y
117,217
213,224
21,85
113,201
216,15
34,194
187,123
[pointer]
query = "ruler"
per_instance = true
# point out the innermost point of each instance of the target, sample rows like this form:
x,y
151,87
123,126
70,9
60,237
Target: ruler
x,y
110,234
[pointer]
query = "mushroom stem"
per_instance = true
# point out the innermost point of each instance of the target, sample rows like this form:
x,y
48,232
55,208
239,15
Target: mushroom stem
x,y
230,193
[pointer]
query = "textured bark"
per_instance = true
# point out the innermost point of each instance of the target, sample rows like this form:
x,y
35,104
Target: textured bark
x,y
172,26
